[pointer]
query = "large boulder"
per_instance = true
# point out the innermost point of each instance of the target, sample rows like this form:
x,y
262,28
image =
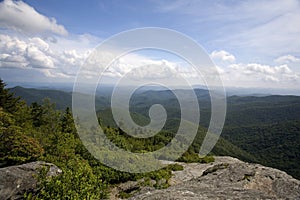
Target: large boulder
x,y
227,178
16,180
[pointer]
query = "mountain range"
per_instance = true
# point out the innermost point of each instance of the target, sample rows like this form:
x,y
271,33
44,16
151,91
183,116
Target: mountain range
x,y
263,129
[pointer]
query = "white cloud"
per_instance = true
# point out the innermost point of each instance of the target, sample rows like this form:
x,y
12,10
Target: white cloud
x,y
141,67
220,70
287,59
55,61
137,68
271,78
63,59
153,72
18,15
41,44
35,53
258,75
37,58
255,74
223,56
255,68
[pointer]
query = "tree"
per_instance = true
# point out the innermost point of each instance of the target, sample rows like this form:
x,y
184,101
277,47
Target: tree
x,y
67,122
36,114
7,100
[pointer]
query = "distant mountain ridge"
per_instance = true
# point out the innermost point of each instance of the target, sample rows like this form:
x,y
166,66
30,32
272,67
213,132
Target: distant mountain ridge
x,y
61,99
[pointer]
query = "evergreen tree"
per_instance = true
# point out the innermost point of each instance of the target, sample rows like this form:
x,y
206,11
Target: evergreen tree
x,y
36,114
67,122
7,100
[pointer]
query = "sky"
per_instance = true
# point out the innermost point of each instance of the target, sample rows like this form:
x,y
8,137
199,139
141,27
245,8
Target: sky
x,y
253,43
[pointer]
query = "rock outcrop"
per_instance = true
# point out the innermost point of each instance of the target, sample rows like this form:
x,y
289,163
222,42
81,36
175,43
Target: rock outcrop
x,y
16,180
226,178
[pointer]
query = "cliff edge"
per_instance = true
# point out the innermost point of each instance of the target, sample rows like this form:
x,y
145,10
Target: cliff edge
x,y
226,178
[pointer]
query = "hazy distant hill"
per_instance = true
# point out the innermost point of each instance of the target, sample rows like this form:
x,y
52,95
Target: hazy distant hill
x,y
60,98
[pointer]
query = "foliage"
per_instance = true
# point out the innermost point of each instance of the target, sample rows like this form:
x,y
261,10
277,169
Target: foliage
x,y
257,129
16,147
194,157
175,167
78,181
276,145
40,132
7,100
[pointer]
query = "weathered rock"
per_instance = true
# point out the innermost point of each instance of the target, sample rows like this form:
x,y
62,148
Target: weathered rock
x,y
129,186
132,187
16,180
227,178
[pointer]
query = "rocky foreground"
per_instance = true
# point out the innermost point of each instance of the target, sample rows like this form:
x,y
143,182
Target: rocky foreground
x,y
16,180
226,178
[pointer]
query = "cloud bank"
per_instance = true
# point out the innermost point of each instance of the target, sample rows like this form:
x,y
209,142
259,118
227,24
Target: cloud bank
x,y
19,16
257,74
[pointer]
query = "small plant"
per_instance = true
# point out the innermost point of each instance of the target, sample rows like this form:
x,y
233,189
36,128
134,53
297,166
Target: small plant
x,y
175,167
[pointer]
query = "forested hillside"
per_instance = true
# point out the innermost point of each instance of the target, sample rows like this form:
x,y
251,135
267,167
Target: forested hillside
x,y
276,145
261,129
265,127
40,132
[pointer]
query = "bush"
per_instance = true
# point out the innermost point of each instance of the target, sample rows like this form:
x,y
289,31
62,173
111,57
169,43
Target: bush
x,y
195,158
78,181
175,167
16,147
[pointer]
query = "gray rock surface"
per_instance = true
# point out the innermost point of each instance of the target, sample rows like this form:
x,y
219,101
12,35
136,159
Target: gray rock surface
x,y
226,178
16,180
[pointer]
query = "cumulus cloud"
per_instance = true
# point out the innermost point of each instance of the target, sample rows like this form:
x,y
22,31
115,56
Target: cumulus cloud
x,y
63,61
258,72
18,15
223,56
287,59
37,58
255,68
135,66
220,70
37,54
135,69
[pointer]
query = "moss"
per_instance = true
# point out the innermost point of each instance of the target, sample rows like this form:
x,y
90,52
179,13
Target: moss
x,y
175,167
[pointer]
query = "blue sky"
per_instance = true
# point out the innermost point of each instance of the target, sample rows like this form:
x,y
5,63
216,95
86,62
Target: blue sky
x,y
253,43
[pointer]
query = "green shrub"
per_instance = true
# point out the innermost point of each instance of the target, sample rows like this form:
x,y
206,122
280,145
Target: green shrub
x,y
175,167
16,147
78,181
189,157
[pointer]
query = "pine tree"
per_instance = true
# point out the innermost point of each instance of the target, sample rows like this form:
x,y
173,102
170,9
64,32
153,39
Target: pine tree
x,y
67,122
7,100
37,114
